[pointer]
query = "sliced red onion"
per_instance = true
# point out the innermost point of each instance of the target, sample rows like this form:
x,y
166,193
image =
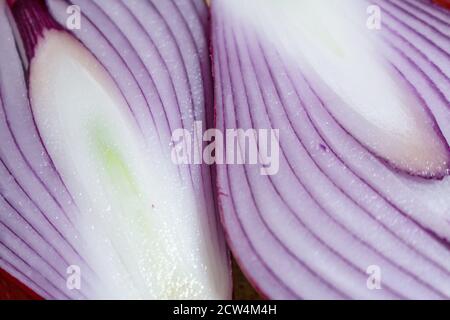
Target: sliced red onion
x,y
364,126
86,175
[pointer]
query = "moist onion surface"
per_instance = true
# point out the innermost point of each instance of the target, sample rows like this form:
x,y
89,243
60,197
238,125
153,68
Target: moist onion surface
x,y
363,117
88,187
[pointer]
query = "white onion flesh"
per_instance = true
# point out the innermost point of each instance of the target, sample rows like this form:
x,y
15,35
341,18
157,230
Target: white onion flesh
x,y
86,175
363,117
330,40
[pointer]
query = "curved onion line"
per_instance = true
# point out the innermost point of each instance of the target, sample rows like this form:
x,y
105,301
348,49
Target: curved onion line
x,y
186,50
187,9
413,221
393,209
432,8
172,80
31,231
18,116
313,197
37,224
20,269
383,226
369,213
198,174
398,41
162,110
167,105
440,54
428,90
132,67
30,257
218,60
121,72
219,97
221,68
34,152
122,60
430,109
228,44
359,170
204,59
410,18
293,171
245,247
391,27
21,161
425,16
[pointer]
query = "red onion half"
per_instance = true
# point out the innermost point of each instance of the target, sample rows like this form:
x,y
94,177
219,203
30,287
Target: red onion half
x,y
360,206
91,204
